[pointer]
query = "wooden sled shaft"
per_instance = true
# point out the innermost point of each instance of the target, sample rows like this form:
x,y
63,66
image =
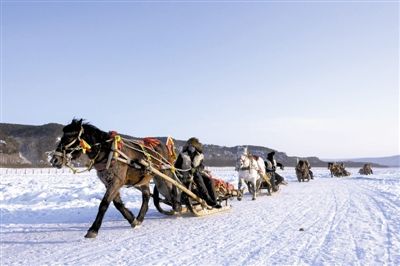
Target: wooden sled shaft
x,y
174,182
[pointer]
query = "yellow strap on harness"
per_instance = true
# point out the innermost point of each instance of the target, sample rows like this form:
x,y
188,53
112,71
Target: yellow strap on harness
x,y
85,146
117,140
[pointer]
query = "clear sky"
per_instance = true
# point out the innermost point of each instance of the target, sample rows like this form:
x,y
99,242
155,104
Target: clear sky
x,y
304,77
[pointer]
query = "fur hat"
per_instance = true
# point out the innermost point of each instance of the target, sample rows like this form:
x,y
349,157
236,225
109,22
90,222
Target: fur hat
x,y
271,155
195,143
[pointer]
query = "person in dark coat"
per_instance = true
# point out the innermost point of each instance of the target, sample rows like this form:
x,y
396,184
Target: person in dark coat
x,y
192,158
270,166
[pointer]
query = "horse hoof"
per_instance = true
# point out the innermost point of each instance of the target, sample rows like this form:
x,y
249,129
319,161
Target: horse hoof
x,y
135,223
239,199
91,234
253,199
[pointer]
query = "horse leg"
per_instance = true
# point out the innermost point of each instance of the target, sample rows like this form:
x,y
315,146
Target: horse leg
x,y
240,188
111,192
254,182
274,182
122,209
145,205
269,189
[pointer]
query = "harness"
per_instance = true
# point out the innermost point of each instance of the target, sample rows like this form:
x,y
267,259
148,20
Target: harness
x,y
116,153
246,168
66,153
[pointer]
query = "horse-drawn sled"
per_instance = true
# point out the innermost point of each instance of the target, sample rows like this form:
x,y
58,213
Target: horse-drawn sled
x,y
126,162
192,203
252,171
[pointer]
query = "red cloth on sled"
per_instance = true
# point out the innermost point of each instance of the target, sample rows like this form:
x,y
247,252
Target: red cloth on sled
x,y
151,142
222,188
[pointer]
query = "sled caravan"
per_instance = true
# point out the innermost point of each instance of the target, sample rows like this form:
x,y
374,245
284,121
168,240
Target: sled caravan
x,y
181,182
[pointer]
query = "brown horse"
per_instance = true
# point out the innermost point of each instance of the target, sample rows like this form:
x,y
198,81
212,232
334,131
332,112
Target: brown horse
x,y
366,169
116,163
303,171
337,169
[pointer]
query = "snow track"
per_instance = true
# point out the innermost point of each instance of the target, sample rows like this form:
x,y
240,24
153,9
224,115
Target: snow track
x,y
351,221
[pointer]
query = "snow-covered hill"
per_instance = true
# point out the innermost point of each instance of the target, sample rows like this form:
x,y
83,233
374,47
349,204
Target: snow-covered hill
x,y
393,161
349,221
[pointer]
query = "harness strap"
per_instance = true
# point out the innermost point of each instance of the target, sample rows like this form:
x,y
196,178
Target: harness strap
x,y
114,153
75,140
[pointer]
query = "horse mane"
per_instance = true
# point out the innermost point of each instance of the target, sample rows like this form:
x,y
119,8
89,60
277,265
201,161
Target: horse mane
x,y
89,129
92,128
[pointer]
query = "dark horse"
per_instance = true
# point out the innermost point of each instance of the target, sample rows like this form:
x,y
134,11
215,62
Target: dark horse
x,y
366,169
303,171
114,168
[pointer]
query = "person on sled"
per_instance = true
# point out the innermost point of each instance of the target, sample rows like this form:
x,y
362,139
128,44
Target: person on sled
x,y
192,158
270,167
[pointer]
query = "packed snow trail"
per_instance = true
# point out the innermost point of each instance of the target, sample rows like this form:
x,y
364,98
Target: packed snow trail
x,y
353,220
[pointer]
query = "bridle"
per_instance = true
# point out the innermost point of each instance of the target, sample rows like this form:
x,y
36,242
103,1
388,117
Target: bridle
x,y
65,148
241,162
66,152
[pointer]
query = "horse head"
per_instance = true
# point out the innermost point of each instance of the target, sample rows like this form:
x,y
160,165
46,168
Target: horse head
x,y
69,146
244,160
78,138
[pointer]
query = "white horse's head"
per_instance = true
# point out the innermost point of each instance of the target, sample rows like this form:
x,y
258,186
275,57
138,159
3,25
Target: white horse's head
x,y
244,160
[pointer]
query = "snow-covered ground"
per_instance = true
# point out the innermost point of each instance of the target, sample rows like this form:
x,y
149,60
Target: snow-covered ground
x,y
346,221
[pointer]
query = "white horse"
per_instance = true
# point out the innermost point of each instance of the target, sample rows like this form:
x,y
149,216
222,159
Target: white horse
x,y
251,169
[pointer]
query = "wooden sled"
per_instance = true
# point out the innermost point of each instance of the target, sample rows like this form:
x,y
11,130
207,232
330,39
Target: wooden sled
x,y
194,204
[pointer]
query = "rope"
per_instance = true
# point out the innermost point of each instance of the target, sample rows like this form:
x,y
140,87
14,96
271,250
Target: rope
x,y
88,168
163,160
84,146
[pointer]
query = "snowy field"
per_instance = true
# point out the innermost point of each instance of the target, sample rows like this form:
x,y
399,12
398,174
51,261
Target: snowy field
x,y
348,221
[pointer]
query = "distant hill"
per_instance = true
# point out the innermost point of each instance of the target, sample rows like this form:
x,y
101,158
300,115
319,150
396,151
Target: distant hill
x,y
393,161
29,146
22,145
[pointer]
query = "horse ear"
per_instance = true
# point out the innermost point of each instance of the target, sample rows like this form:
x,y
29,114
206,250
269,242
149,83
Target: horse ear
x,y
80,122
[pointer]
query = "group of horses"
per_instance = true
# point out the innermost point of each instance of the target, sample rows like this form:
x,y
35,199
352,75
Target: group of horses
x,y
122,162
125,162
338,170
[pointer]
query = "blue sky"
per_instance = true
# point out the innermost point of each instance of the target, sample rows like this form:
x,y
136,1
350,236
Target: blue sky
x,y
306,78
